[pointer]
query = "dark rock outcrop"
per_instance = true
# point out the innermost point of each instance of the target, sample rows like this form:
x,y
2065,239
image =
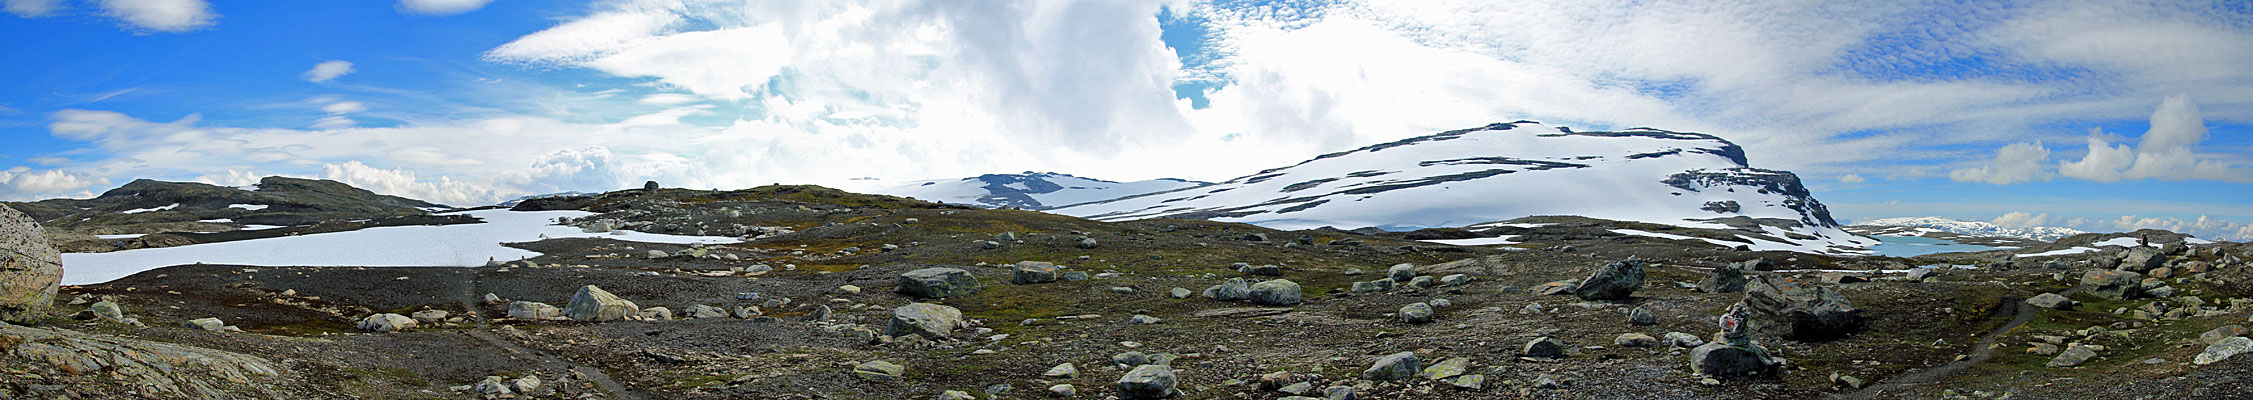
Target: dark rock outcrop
x,y
30,269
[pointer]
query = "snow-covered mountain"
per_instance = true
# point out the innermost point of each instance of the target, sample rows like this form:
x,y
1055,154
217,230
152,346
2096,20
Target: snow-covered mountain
x,y
520,200
1029,190
1917,226
1505,171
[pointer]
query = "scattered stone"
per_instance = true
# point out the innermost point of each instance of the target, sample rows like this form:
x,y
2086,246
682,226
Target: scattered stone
x,y
1455,280
1547,381
1031,272
2072,356
931,321
2224,332
108,310
381,323
2223,350
1683,340
820,313
1149,381
1087,243
534,311
1441,303
1847,381
493,386
1396,366
1297,388
1544,347
1839,278
1447,368
1267,270
1416,313
1615,281
1278,292
1635,340
1075,276
1401,272
1379,285
1563,287
1641,316
1338,393
2140,259
701,311
429,316
1717,359
1062,390
525,384
209,324
594,304
1919,274
879,370
1231,290
2052,301
938,282
1065,371
1473,382
1140,319
849,289
1354,272
1130,359
2039,348
956,395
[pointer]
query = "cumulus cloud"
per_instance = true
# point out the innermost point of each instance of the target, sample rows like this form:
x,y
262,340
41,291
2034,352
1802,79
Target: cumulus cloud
x,y
441,7
32,8
27,183
2204,226
401,182
2014,163
327,70
230,177
2169,151
161,15
1852,178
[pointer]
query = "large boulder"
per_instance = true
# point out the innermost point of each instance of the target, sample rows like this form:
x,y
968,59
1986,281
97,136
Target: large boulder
x,y
2052,301
1613,281
531,310
1279,292
931,321
386,323
1798,310
1231,290
1396,366
2112,284
1721,360
30,269
1416,313
594,304
2142,259
938,282
1031,272
1724,279
1149,381
2223,350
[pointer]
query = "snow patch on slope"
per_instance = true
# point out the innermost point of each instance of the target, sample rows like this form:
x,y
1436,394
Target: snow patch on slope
x,y
1029,190
396,246
1920,226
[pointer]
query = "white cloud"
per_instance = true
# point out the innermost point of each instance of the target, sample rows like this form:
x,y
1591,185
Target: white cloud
x,y
161,15
401,182
2022,220
441,7
2014,163
26,183
231,177
344,107
1852,178
2169,151
2203,226
327,70
32,8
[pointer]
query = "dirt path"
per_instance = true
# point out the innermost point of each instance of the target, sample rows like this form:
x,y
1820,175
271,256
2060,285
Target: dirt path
x,y
2016,308
591,374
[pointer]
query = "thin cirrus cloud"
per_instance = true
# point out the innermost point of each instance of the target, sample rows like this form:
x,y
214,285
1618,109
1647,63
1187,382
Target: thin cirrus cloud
x,y
327,71
138,16
441,7
31,8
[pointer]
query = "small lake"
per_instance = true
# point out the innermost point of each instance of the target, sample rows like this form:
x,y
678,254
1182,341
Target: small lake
x,y
1912,246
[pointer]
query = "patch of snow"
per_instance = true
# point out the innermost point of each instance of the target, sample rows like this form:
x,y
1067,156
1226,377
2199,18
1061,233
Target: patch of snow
x,y
251,207
1502,240
218,221
143,210
253,227
2120,242
123,236
983,190
1920,226
1653,234
433,209
2075,250
2192,240
396,246
1513,225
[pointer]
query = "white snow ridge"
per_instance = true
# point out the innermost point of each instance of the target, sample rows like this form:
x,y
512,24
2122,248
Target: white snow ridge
x,y
1505,171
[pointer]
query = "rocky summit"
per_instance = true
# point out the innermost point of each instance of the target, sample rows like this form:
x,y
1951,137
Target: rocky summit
x,y
821,293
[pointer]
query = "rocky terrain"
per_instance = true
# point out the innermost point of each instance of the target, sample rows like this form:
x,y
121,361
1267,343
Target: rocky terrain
x,y
147,213
843,295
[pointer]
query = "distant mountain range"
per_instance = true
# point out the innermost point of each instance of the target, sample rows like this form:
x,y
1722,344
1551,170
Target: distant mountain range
x,y
1028,190
1922,226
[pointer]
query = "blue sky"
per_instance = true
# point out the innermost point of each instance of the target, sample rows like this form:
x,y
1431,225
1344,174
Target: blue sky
x,y
1971,111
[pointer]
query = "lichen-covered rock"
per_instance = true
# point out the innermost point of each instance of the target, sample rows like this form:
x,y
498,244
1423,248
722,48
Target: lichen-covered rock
x,y
2223,350
2051,301
594,304
1149,381
2142,259
1031,272
2112,284
938,282
1231,290
1416,313
30,269
1393,367
1725,279
701,311
1613,281
149,369
931,321
1798,310
1278,292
